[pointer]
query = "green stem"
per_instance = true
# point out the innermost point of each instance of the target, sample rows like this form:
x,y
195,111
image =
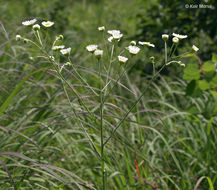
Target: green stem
x,y
110,63
82,79
132,107
101,129
165,51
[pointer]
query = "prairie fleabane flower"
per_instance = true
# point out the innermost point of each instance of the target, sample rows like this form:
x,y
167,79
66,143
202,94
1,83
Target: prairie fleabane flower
x,y
29,22
195,48
101,28
98,53
36,27
110,39
116,35
18,37
180,36
147,44
91,48
175,40
165,36
47,23
122,59
54,48
112,32
133,49
65,51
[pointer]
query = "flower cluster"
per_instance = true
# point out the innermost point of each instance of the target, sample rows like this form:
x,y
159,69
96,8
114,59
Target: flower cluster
x,y
115,35
37,26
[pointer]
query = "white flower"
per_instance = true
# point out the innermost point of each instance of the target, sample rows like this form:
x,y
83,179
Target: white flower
x,y
133,49
29,22
91,48
18,37
36,27
195,48
101,28
65,51
122,59
180,36
165,36
116,34
98,53
47,23
133,43
57,47
110,39
112,32
175,40
146,43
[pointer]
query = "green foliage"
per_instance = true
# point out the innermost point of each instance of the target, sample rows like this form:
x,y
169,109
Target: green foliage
x,y
47,138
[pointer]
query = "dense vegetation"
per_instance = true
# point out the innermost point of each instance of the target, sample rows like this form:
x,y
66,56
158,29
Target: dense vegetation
x,y
80,121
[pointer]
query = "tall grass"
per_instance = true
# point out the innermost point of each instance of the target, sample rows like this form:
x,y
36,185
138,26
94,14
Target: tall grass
x,y
77,127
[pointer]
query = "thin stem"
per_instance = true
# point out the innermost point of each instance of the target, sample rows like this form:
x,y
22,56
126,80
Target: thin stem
x,y
82,79
165,46
101,129
110,63
132,107
39,38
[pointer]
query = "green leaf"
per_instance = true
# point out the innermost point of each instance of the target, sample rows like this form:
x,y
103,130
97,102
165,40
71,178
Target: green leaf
x,y
208,66
214,93
214,58
190,88
203,84
213,82
191,72
14,92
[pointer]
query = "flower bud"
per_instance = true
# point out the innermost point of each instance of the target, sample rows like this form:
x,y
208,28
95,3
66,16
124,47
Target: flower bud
x,y
175,40
98,53
18,37
36,27
133,43
165,37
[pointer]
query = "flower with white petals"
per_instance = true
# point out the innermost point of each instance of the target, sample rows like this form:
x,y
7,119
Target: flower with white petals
x,y
113,32
98,53
146,43
36,27
116,35
18,37
101,28
65,51
29,22
175,40
47,23
195,48
133,49
180,36
122,59
91,48
110,39
54,48
165,36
